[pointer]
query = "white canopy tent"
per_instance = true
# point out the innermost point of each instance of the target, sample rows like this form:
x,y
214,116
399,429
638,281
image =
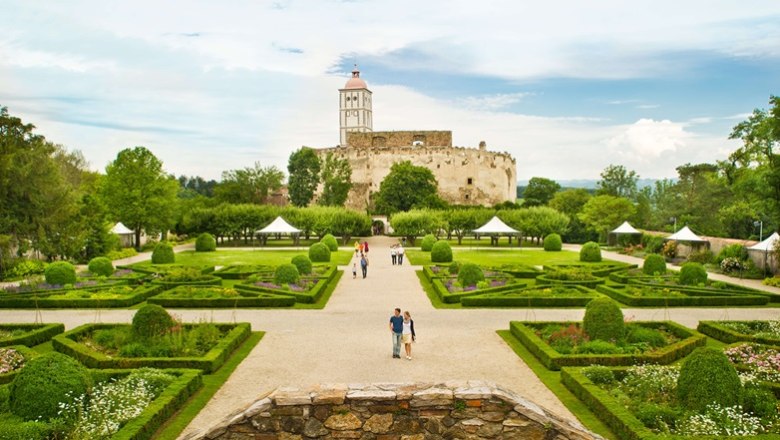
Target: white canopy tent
x,y
625,228
126,235
495,227
279,226
767,245
685,234
121,229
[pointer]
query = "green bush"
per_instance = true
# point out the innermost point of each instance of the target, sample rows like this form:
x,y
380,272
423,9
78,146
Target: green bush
x,y
732,251
654,265
330,241
598,346
706,377
693,274
205,243
303,263
645,335
441,252
603,320
470,274
758,400
703,256
652,243
599,374
286,274
44,383
151,321
427,243
656,416
590,252
60,273
163,253
23,268
11,429
319,253
101,266
553,243
454,267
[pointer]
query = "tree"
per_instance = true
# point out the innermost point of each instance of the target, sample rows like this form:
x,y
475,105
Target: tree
x,y
617,181
571,202
138,192
304,170
539,191
406,186
196,185
336,181
415,223
249,185
603,213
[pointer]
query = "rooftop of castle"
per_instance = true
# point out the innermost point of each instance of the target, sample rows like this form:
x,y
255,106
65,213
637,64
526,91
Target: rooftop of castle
x,y
355,82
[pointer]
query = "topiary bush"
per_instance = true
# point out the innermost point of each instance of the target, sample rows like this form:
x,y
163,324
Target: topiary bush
x,y
427,243
319,253
553,243
101,266
330,241
692,274
454,267
303,263
60,273
706,377
733,251
470,274
603,320
654,265
286,274
45,382
205,243
590,252
151,321
163,253
441,252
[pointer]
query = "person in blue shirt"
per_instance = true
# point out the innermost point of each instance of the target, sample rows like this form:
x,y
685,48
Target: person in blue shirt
x,y
397,328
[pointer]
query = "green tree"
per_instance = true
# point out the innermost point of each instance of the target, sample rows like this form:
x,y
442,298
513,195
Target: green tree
x,y
249,185
415,223
138,192
571,202
406,186
304,171
603,213
617,181
539,191
336,181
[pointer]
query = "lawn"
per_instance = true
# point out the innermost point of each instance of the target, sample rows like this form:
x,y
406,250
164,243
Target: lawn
x,y
489,257
259,257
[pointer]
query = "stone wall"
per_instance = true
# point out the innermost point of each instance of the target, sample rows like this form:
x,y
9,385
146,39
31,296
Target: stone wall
x,y
473,410
392,139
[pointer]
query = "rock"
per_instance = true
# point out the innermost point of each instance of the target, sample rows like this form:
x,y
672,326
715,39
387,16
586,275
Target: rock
x,y
292,397
256,408
406,425
379,423
472,422
288,436
343,422
321,412
516,422
489,430
371,395
492,416
329,397
434,426
473,393
314,428
347,434
413,437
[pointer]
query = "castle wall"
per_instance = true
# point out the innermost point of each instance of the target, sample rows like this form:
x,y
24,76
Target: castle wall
x,y
391,139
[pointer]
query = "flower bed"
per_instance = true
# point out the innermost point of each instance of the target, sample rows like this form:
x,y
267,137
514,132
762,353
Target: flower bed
x,y
595,269
243,271
541,296
569,277
659,295
12,359
104,296
28,334
528,333
45,288
129,275
518,270
447,296
308,290
762,332
161,269
207,297
762,362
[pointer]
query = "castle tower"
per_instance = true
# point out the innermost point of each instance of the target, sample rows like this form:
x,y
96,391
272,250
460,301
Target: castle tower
x,y
354,107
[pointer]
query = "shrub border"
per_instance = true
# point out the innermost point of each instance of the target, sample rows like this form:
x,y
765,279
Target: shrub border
x,y
139,295
542,280
312,296
272,300
700,298
536,301
716,330
597,269
38,334
166,285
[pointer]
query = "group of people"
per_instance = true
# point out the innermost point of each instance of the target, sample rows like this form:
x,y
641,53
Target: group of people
x,y
361,257
402,329
397,254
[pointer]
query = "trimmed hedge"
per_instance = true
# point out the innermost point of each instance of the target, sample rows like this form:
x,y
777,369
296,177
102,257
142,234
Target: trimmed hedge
x,y
441,252
693,274
524,332
28,354
603,320
31,301
60,273
455,297
311,296
545,280
654,264
303,263
163,253
599,270
518,270
286,274
590,252
427,243
67,343
161,269
716,330
205,243
244,299
101,266
36,334
242,271
707,376
319,253
211,281
553,243
697,297
330,241
506,299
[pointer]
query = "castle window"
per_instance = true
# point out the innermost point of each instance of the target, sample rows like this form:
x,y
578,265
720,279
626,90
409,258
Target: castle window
x,y
469,181
438,165
467,196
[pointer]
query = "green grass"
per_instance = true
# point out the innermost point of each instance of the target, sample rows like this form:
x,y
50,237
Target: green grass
x,y
325,296
435,300
226,257
498,257
211,384
552,380
44,348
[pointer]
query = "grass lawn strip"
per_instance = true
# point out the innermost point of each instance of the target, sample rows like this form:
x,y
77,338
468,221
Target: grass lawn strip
x,y
491,258
432,295
258,257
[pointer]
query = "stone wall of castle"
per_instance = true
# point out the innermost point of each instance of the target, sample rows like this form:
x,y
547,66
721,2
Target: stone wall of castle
x,y
391,139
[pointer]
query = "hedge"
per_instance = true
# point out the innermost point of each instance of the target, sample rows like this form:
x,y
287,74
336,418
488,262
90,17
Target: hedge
x,y
695,299
597,269
245,299
505,299
455,297
543,280
717,330
309,297
243,271
67,343
518,270
159,269
211,281
36,334
140,294
28,354
98,286
524,332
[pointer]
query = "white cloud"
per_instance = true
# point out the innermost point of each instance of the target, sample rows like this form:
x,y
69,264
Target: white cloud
x,y
648,139
647,106
495,102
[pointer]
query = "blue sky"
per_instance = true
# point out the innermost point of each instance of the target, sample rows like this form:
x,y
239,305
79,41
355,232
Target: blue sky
x,y
566,87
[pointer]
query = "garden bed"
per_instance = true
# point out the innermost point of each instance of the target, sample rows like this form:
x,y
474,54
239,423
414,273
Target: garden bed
x,y
309,290
98,297
569,278
243,271
540,296
28,334
656,295
219,297
161,269
762,332
12,359
129,275
596,269
44,288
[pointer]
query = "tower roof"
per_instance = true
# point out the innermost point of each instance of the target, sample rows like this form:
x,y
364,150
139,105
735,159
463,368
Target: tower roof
x,y
355,82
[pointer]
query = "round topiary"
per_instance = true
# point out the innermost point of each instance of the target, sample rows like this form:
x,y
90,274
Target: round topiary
x,y
470,274
654,264
163,253
706,377
319,253
60,273
427,243
205,243
441,252
692,274
101,266
286,274
590,252
303,263
44,383
553,243
454,267
603,320
330,241
151,321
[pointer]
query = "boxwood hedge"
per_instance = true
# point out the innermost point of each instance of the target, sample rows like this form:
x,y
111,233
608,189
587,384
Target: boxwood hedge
x,y
580,296
694,297
244,299
39,300
308,297
717,330
35,333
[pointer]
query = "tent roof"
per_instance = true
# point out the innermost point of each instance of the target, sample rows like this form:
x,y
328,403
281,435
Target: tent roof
x,y
121,229
495,226
766,245
279,226
685,234
625,228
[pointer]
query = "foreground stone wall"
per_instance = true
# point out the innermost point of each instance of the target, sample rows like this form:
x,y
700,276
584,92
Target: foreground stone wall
x,y
473,410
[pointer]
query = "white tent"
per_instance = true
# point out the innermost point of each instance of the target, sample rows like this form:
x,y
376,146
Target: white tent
x,y
685,234
121,229
625,228
126,235
495,226
767,245
279,226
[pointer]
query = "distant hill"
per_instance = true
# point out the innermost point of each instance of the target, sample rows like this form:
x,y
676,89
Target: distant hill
x,y
589,184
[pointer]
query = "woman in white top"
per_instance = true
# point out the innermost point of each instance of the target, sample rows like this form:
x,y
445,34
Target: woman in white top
x,y
407,335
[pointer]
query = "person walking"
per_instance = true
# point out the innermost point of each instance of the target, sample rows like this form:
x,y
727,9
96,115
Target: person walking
x,y
354,270
357,248
365,247
407,334
364,264
396,329
400,252
393,254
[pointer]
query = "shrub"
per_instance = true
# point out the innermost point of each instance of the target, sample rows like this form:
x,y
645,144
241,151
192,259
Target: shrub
x,y
454,267
553,243
670,249
693,274
44,383
637,334
60,273
654,265
23,268
319,253
205,243
470,274
599,374
736,251
101,266
598,347
706,377
163,253
771,281
441,252
703,256
758,400
731,264
427,243
653,243
303,263
152,320
286,274
603,320
656,416
330,241
590,252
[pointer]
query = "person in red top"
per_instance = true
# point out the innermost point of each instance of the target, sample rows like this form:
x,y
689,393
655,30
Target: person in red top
x,y
365,247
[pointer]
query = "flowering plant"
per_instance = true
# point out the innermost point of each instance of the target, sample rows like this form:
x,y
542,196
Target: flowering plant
x,y
10,360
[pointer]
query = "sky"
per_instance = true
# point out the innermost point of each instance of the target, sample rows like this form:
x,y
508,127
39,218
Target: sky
x,y
566,87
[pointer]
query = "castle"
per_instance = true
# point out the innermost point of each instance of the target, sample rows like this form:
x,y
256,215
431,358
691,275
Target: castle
x,y
466,176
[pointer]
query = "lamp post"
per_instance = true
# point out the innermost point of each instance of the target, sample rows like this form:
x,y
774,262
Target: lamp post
x,y
760,224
